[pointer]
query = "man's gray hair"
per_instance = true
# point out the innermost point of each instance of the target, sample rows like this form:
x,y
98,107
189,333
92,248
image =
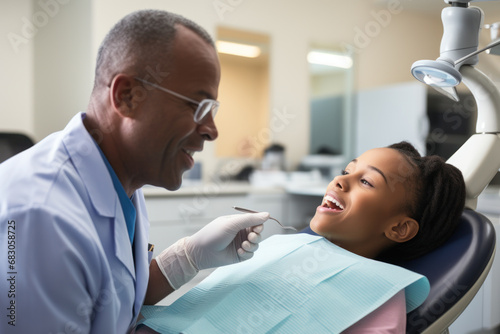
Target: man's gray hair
x,y
138,41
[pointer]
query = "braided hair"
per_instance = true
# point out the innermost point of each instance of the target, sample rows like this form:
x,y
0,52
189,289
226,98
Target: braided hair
x,y
437,199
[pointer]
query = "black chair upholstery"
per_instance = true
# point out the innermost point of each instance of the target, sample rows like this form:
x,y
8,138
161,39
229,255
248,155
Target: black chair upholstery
x,y
12,144
455,271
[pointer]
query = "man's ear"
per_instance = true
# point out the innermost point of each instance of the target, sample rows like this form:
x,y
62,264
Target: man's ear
x,y
123,96
403,230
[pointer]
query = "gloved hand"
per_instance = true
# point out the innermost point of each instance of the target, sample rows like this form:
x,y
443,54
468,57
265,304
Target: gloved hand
x,y
226,240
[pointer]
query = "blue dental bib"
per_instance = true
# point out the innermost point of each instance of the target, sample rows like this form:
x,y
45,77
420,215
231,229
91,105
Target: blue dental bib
x,y
294,284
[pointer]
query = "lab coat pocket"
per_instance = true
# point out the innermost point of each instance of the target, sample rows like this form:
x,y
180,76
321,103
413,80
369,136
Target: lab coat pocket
x,y
150,252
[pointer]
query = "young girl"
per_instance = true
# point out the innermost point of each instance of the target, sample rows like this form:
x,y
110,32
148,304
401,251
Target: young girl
x,y
389,204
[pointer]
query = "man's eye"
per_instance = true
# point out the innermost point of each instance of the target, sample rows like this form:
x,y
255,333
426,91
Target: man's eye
x,y
344,172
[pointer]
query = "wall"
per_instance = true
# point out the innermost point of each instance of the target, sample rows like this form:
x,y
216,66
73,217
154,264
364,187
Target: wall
x,y
16,67
386,43
402,115
62,64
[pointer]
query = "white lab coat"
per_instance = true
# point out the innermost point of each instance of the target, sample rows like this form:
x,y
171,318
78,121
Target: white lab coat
x,y
71,268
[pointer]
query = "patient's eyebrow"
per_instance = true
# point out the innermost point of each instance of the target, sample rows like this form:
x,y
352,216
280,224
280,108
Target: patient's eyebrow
x,y
375,169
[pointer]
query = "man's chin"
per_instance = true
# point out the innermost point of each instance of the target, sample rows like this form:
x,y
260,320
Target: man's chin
x,y
171,185
173,188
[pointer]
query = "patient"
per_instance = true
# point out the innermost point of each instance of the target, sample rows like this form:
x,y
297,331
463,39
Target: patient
x,y
389,204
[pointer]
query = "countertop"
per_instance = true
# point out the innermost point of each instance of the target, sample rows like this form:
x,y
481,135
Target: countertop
x,y
211,188
262,182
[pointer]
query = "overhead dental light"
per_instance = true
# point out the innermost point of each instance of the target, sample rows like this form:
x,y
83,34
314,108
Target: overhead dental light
x,y
461,26
439,74
459,44
479,158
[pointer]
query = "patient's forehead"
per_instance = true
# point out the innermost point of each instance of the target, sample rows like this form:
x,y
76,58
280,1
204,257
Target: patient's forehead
x,y
389,159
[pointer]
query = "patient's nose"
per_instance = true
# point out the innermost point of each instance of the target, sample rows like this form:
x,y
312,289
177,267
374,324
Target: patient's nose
x,y
341,182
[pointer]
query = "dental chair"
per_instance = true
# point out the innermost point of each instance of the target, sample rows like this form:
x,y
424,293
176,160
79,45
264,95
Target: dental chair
x,y
13,143
456,271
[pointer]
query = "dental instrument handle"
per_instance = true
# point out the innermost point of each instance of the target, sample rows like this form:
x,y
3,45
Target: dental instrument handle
x,y
276,220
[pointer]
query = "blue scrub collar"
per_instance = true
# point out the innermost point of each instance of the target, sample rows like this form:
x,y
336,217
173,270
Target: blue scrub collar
x,y
128,207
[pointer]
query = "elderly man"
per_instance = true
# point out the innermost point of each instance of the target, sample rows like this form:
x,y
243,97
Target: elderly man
x,y
72,212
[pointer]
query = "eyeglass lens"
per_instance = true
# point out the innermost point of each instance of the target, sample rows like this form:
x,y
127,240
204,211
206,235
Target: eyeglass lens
x,y
204,108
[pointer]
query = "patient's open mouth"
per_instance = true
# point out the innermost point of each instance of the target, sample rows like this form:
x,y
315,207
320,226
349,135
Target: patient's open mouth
x,y
331,203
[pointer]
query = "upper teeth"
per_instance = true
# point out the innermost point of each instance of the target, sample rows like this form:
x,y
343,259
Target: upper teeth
x,y
189,152
333,200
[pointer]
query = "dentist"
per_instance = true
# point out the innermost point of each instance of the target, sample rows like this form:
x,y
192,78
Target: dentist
x,y
73,225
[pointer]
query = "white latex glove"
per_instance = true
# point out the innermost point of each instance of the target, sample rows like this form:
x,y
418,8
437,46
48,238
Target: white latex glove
x,y
226,240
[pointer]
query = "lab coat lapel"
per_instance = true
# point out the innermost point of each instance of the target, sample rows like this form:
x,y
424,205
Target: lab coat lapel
x,y
141,249
92,169
90,166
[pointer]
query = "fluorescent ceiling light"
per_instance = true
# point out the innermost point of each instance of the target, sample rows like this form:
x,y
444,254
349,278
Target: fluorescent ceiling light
x,y
238,49
329,59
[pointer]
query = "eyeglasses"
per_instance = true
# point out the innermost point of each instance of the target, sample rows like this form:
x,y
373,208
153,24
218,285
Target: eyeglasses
x,y
205,106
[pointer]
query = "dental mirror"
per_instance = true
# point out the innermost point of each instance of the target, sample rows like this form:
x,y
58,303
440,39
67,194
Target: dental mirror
x,y
276,220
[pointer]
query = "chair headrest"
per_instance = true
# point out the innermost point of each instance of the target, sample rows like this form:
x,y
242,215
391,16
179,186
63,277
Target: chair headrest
x,y
453,268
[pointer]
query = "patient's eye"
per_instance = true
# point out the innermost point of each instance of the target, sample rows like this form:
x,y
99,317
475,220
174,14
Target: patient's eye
x,y
366,182
344,172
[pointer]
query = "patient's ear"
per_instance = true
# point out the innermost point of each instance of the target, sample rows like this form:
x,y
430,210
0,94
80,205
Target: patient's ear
x,y
403,230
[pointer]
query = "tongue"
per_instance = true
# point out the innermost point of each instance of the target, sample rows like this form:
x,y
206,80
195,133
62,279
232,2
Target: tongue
x,y
333,206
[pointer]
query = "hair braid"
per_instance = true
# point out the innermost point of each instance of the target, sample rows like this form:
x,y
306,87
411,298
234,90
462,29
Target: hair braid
x,y
439,193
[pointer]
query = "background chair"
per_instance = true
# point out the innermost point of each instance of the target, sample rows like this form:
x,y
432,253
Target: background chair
x,y
13,143
456,271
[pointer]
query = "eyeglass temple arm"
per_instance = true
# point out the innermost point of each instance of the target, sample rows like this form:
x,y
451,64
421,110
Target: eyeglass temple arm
x,y
168,91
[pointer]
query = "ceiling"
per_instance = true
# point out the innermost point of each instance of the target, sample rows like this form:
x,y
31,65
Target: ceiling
x,y
434,7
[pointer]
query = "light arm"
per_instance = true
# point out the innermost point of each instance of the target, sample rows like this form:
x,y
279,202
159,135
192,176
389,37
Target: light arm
x,y
479,157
